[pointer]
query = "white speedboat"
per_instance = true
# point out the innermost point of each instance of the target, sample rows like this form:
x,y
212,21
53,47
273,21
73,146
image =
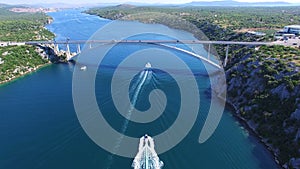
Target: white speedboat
x,y
83,68
146,157
148,65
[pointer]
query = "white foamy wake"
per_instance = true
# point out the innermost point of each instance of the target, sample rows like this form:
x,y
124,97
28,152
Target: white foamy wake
x,y
144,76
146,157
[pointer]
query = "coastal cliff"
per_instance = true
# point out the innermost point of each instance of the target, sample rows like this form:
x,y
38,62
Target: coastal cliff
x,y
266,95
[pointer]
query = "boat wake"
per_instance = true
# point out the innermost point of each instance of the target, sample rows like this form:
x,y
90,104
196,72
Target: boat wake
x,y
146,157
144,76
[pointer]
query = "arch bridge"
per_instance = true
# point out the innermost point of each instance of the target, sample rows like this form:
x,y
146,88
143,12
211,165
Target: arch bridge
x,y
162,43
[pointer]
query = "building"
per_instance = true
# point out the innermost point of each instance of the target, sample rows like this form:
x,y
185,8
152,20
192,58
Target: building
x,y
292,29
288,32
256,33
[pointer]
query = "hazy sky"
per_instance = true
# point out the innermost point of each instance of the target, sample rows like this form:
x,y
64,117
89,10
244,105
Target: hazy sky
x,y
124,1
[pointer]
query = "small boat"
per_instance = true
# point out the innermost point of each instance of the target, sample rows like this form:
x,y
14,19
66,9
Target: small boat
x,y
83,68
146,157
148,65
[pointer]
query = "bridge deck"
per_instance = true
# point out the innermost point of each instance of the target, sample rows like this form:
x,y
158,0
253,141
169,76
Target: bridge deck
x,y
157,42
151,41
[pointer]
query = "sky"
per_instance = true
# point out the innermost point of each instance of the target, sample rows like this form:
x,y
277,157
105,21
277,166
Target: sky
x,y
124,1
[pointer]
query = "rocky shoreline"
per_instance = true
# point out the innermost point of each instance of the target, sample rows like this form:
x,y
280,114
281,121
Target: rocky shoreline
x,y
24,74
264,95
246,125
45,52
243,122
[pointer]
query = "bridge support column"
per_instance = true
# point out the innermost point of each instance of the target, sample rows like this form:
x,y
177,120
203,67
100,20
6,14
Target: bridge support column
x,y
208,52
56,49
68,53
78,48
226,57
90,45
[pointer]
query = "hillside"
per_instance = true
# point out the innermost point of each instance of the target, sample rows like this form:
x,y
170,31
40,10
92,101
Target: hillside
x,y
16,61
23,26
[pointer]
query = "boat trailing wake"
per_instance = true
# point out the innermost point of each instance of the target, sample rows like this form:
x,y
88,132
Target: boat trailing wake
x,y
143,77
146,157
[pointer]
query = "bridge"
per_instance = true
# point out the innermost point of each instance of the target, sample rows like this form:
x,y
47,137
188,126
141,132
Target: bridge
x,y
162,43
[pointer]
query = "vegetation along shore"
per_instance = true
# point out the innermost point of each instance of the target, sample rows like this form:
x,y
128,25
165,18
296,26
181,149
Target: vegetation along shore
x,y
16,58
263,82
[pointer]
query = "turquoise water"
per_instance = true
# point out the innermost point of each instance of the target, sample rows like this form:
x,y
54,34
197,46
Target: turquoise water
x,y
39,127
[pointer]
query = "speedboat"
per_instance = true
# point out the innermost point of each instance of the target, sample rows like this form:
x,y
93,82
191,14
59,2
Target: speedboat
x,y
148,65
146,157
83,68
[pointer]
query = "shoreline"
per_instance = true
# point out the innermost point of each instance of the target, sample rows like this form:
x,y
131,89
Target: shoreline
x,y
244,123
37,68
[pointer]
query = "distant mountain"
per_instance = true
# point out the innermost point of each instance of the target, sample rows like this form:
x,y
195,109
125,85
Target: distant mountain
x,y
8,6
235,3
125,6
134,3
56,5
3,5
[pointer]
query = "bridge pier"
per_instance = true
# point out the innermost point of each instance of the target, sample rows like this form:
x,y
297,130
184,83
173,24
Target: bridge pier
x,y
56,49
78,48
208,52
68,53
226,57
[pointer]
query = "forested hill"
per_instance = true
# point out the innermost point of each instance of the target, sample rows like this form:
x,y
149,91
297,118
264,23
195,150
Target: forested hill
x,y
23,26
16,61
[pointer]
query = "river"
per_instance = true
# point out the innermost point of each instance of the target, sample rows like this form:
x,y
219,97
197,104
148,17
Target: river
x,y
39,127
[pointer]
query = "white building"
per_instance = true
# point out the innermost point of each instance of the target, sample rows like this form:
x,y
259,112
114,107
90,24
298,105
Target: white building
x,y
294,29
